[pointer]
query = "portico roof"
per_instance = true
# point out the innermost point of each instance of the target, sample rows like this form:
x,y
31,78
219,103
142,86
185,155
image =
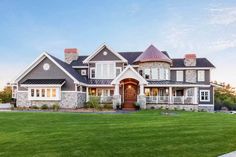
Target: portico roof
x,y
129,72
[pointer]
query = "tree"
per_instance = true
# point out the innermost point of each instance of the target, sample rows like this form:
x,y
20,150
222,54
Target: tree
x,y
6,94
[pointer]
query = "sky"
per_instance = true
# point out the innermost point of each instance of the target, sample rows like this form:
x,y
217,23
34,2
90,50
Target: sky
x,y
28,28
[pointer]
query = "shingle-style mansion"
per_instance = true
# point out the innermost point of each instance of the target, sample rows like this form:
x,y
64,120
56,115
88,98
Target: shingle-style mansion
x,y
151,77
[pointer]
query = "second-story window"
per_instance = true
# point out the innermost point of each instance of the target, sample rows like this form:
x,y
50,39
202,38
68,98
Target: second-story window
x,y
201,75
179,76
154,73
105,70
118,71
92,72
147,73
162,74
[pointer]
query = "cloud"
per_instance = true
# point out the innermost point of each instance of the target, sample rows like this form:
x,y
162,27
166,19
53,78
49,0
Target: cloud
x,y
223,16
222,45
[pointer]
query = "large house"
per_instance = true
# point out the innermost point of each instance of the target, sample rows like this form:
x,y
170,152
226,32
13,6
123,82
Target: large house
x,y
152,78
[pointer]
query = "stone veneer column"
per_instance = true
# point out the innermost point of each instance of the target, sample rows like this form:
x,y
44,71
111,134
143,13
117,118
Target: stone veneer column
x,y
116,98
141,97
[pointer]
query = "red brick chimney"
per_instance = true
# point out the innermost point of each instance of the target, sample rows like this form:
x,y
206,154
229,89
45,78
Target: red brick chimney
x,y
70,54
190,59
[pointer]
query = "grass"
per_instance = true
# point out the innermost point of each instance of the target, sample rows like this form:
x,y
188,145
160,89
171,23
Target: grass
x,y
145,133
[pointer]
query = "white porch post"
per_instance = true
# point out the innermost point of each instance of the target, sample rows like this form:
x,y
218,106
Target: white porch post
x,y
170,95
141,86
116,89
195,95
87,94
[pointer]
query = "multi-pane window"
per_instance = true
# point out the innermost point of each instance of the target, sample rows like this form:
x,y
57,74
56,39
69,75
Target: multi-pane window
x,y
44,93
118,71
154,73
162,74
92,72
105,70
204,95
201,75
179,76
147,73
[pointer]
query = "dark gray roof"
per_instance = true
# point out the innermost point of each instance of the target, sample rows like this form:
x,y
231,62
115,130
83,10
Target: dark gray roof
x,y
130,56
168,82
44,81
201,62
70,70
79,61
100,81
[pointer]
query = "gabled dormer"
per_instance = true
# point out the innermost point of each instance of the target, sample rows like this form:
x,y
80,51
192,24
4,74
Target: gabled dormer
x,y
105,63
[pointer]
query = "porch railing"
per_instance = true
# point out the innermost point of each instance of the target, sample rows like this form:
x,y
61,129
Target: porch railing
x,y
103,99
170,99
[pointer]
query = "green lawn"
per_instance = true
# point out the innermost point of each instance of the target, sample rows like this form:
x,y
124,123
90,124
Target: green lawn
x,y
145,133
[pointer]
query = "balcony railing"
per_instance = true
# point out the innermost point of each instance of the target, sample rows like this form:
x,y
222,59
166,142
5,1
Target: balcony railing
x,y
170,99
103,99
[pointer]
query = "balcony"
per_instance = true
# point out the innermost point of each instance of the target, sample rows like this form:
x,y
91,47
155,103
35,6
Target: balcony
x,y
170,99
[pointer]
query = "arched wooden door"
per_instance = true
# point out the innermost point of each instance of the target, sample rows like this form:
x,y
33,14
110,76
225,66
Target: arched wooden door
x,y
130,95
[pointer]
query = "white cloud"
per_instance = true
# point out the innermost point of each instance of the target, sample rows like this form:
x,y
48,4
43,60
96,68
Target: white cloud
x,y
223,16
222,45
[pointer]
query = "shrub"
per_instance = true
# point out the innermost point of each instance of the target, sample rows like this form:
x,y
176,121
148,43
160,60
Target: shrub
x,y
108,106
93,102
44,107
56,107
34,107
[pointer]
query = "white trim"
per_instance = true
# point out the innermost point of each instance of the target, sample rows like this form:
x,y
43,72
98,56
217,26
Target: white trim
x,y
138,77
210,105
100,85
196,68
90,73
80,67
99,49
179,75
21,91
57,96
209,95
176,85
201,74
118,68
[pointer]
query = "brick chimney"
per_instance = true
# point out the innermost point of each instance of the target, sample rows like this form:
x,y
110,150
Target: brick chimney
x,y
190,60
70,55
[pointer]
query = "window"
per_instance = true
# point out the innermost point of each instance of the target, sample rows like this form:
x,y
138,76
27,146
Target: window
x,y
141,72
118,71
201,75
154,73
162,73
105,70
43,92
37,93
179,76
204,95
92,72
32,92
83,72
111,92
147,73
147,91
48,93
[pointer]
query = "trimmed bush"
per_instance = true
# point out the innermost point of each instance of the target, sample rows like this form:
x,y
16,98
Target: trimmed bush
x,y
56,107
44,107
108,106
34,107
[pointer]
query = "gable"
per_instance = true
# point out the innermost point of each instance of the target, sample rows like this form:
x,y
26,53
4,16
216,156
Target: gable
x,y
54,72
105,55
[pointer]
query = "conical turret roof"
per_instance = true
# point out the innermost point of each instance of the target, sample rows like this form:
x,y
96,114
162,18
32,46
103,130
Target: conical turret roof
x,y
152,54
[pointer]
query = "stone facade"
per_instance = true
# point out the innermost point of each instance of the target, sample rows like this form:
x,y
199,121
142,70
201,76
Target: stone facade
x,y
68,100
191,76
116,101
173,107
149,65
206,108
142,101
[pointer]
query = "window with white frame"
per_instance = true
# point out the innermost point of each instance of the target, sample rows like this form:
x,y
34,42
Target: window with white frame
x,y
204,95
179,76
154,73
147,73
44,93
201,75
83,72
167,75
92,72
105,70
118,71
162,74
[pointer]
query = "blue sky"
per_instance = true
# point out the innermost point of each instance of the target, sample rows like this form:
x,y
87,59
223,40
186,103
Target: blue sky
x,y
207,28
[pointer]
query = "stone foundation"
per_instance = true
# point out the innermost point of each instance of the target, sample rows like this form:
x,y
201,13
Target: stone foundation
x,y
116,101
142,101
68,100
206,108
173,107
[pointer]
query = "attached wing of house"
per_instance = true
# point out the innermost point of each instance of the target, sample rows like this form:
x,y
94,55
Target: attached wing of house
x,y
151,77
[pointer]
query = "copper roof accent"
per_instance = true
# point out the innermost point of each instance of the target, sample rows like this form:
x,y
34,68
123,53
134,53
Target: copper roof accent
x,y
152,54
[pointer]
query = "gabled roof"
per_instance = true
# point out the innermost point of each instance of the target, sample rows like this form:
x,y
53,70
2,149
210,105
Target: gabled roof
x,y
66,68
152,54
200,62
132,73
99,49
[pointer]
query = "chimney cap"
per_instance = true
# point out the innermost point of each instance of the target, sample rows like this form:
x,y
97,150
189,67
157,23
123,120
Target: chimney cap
x,y
190,56
70,50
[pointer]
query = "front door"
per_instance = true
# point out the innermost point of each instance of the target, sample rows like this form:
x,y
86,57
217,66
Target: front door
x,y
130,95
